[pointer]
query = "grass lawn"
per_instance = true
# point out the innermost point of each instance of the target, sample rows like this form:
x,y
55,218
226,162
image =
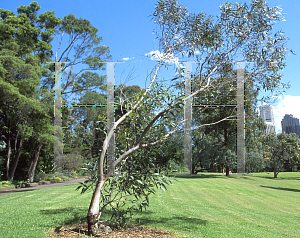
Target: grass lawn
x,y
210,205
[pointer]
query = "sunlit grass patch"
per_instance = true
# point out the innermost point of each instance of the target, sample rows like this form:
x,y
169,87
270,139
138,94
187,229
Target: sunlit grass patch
x,y
211,205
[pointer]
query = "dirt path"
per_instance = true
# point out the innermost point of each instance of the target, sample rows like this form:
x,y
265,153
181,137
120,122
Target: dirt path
x,y
51,185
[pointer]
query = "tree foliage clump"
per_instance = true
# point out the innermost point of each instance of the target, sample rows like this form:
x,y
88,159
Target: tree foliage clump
x,y
72,161
280,148
27,85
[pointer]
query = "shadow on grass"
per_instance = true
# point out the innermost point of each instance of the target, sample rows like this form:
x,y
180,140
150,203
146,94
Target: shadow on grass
x,y
199,176
284,189
186,223
247,176
78,215
18,191
281,178
75,214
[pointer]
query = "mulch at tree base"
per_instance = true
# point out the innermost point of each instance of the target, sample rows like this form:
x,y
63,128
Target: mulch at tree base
x,y
128,232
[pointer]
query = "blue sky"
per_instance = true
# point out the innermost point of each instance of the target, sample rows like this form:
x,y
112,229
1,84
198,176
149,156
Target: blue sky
x,y
127,29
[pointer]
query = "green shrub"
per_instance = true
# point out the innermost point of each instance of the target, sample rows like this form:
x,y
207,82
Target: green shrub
x,y
65,178
6,183
57,179
39,177
58,174
66,173
74,173
72,161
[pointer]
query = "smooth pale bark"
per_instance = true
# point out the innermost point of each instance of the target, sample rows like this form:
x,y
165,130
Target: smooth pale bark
x,y
94,215
15,161
34,160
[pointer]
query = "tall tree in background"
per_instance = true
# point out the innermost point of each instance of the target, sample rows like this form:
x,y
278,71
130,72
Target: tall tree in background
x,y
225,97
27,78
254,160
84,48
24,48
277,149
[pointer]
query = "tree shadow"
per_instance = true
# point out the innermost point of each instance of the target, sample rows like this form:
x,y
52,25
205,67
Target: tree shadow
x,y
3,193
196,176
76,214
214,175
281,178
246,176
199,176
186,223
284,189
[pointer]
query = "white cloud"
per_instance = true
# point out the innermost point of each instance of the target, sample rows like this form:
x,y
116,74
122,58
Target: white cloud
x,y
287,105
126,58
168,58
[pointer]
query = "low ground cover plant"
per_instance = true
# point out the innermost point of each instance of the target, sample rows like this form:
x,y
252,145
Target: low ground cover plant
x,y
5,183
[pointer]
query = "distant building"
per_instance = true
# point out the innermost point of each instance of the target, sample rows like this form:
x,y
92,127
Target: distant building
x,y
290,124
266,112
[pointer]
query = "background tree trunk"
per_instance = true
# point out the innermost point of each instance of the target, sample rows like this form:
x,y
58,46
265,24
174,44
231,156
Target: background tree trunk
x,y
15,161
193,169
227,170
8,156
33,163
226,144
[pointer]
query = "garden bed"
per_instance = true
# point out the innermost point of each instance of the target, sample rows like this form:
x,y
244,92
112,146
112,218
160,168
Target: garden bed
x,y
44,182
7,188
33,184
56,181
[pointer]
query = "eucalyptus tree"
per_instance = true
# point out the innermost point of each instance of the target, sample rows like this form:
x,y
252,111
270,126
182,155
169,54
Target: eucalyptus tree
x,y
239,29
